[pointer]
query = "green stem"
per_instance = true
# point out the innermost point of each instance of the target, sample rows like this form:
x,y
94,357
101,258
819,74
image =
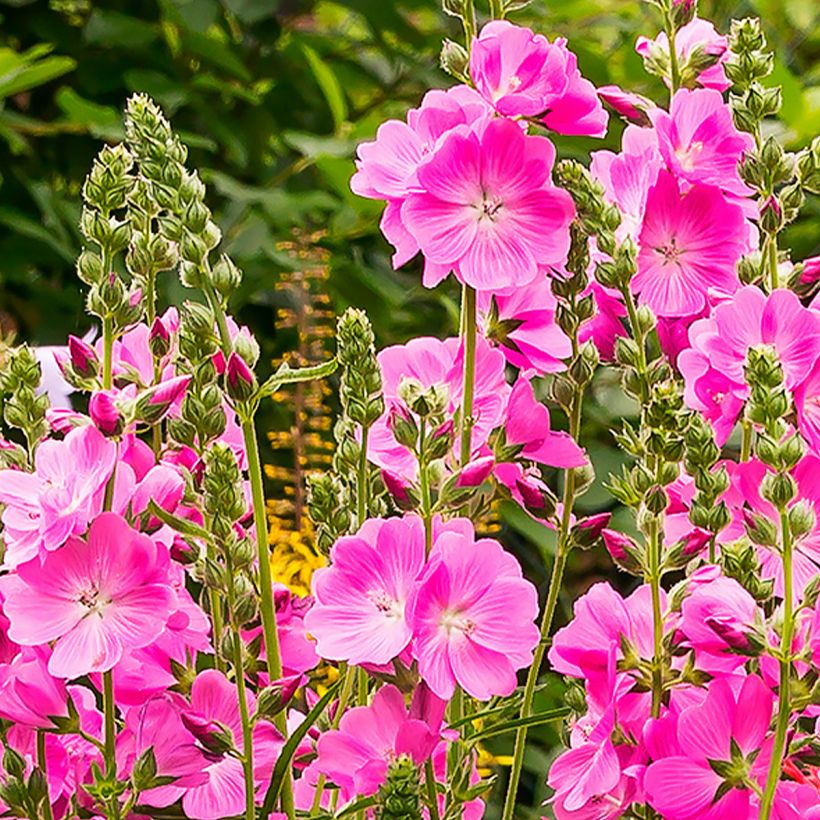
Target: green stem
x,y
784,694
746,440
266,605
432,792
771,260
43,767
108,350
110,754
556,578
424,482
468,302
469,21
496,10
242,697
361,489
654,580
674,69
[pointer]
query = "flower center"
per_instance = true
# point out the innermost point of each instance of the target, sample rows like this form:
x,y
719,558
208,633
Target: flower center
x,y
455,621
93,601
489,208
687,156
388,606
671,251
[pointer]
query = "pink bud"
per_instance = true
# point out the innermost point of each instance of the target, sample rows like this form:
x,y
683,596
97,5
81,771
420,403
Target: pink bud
x,y
695,541
212,735
105,414
155,402
631,107
811,271
239,378
63,420
475,472
158,338
619,546
594,525
83,358
396,486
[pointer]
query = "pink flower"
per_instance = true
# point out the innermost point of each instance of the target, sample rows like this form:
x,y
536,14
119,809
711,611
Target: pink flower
x,y
528,427
719,618
83,358
472,617
697,35
105,412
95,599
359,612
487,209
632,107
605,326
435,362
522,324
158,726
523,74
699,142
752,319
807,404
689,243
685,786
356,757
214,702
59,499
29,694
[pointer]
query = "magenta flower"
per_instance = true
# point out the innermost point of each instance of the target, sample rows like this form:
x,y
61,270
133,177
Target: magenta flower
x,y
487,209
528,427
29,694
689,244
472,618
359,610
435,362
59,499
684,786
522,74
214,706
696,34
522,324
95,599
105,412
699,142
357,755
605,326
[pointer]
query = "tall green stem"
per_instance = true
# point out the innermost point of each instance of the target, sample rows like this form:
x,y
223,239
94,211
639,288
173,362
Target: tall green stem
x,y
42,765
784,694
110,753
556,578
266,604
108,350
242,697
424,483
746,440
469,308
674,69
654,547
361,489
771,260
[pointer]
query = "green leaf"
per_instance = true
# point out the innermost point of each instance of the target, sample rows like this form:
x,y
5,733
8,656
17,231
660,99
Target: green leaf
x,y
181,525
532,720
20,223
289,749
100,120
329,84
284,375
26,72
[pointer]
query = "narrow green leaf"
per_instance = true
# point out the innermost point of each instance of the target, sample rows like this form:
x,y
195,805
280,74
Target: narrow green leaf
x,y
289,749
285,375
181,525
329,84
532,720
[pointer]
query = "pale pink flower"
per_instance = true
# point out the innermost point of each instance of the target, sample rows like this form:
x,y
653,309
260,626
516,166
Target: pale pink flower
x,y
435,362
689,243
357,755
699,142
699,35
605,326
487,209
214,705
472,617
684,786
522,324
95,599
523,74
59,499
359,610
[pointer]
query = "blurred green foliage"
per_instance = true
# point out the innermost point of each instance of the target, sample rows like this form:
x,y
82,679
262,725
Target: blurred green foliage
x,y
272,97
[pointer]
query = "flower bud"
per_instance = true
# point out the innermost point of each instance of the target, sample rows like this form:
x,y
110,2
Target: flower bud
x,y
586,532
240,382
275,697
771,215
761,530
153,404
623,551
475,473
440,441
212,735
454,59
83,358
105,413
403,426
399,489
159,338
